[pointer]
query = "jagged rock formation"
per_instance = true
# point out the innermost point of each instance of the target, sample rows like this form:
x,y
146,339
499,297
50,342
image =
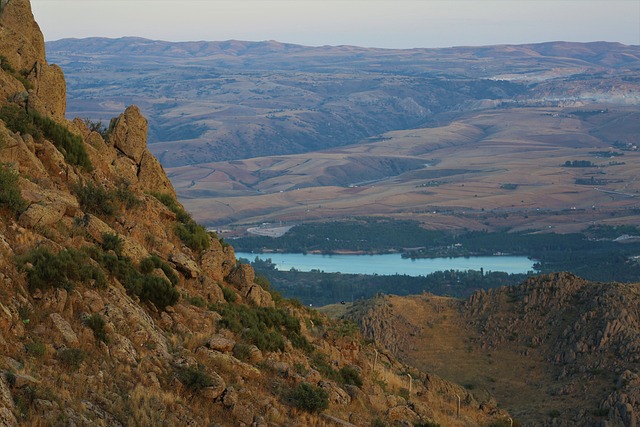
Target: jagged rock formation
x,y
117,309
22,45
578,341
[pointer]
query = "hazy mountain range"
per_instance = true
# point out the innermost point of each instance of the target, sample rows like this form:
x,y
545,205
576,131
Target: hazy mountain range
x,y
212,101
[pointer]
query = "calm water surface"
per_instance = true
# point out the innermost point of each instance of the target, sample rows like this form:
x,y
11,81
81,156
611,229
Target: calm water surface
x,y
390,264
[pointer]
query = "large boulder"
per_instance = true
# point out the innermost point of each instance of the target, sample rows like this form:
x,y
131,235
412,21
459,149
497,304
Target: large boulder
x,y
242,276
259,297
47,206
129,133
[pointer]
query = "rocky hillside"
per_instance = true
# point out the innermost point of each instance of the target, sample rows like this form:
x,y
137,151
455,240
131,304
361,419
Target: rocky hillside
x,y
555,350
117,309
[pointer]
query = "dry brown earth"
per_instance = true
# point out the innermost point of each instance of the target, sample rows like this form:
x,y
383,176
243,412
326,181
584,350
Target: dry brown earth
x,y
447,177
555,346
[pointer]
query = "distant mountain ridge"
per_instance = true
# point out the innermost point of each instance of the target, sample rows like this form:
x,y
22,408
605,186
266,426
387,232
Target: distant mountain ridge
x,y
212,101
599,53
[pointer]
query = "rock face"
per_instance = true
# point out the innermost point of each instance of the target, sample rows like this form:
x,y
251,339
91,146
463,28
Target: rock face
x,y
576,337
22,44
21,41
128,133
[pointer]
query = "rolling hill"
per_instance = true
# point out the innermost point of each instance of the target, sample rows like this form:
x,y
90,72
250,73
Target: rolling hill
x,y
470,137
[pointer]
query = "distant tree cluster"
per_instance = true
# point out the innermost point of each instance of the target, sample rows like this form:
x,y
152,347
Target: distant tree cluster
x,y
578,164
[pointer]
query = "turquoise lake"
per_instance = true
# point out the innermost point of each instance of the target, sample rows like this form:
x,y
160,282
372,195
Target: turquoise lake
x,y
390,264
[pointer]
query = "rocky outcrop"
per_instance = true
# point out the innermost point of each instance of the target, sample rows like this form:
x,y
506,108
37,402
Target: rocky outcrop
x,y
583,328
128,133
379,324
22,44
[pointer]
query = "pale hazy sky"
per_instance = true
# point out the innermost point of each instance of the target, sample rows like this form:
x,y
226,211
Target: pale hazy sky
x,y
369,23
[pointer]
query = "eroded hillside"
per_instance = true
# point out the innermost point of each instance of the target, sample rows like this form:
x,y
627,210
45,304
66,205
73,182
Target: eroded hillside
x,y
555,350
117,309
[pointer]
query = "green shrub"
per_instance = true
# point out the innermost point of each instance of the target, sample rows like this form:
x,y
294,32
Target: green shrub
x,y
127,197
60,270
350,375
4,65
10,196
72,357
18,120
147,266
192,234
228,293
319,362
242,351
158,291
96,323
194,378
69,144
147,287
310,398
263,326
112,242
196,300
97,126
95,199
36,348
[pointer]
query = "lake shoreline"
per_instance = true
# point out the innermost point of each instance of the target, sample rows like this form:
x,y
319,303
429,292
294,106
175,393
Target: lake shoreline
x,y
389,264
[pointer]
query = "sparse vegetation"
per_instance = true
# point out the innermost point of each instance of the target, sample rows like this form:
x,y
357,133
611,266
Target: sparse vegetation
x,y
20,76
192,234
264,327
10,196
194,378
62,270
72,357
96,323
97,126
310,398
95,198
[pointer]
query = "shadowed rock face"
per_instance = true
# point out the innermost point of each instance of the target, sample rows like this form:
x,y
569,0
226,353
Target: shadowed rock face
x,y
577,338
